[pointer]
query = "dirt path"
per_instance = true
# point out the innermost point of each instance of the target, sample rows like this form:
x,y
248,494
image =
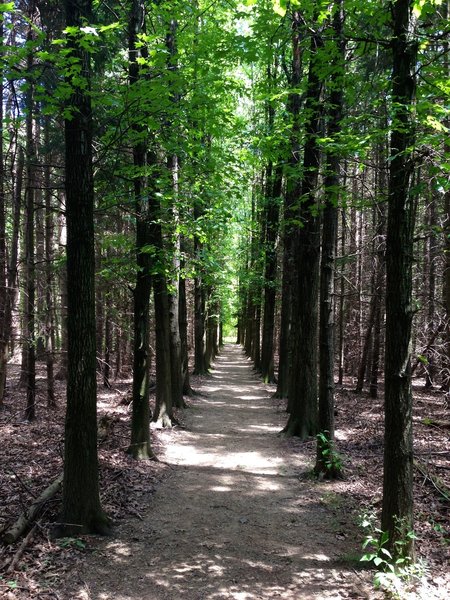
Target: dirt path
x,y
235,519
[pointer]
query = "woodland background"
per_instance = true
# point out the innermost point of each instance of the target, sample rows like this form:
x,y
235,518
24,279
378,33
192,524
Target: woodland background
x,y
243,164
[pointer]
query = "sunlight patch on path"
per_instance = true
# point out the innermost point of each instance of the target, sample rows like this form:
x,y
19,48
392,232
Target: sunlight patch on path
x,y
249,462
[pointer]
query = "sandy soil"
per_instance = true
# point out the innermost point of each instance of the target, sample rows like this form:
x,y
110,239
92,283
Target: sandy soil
x,y
236,518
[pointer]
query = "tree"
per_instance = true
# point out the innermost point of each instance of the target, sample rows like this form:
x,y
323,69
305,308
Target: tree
x,y
397,514
304,334
332,181
81,509
29,364
3,262
140,421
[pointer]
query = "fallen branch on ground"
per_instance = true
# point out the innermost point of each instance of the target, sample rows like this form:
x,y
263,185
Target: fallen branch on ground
x,y
28,517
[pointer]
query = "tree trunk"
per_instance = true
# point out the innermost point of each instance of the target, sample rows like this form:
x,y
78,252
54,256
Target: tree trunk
x,y
446,233
200,367
13,269
187,390
108,348
367,340
431,312
49,309
3,265
173,234
379,268
30,271
342,303
81,509
272,209
303,379
397,512
163,416
324,459
140,447
289,213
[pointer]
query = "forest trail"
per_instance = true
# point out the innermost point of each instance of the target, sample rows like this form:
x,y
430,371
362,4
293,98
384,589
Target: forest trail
x,y
235,519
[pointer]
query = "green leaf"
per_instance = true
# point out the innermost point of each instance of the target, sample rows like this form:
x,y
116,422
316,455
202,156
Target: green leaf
x,y
279,6
423,359
435,124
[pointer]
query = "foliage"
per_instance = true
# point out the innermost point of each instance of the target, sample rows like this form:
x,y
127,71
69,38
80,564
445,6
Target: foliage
x,y
331,459
395,569
70,542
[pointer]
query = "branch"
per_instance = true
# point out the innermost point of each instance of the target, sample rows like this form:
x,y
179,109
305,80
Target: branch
x,y
25,519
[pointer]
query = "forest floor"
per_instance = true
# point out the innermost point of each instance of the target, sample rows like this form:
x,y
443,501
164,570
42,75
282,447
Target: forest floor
x,y
230,511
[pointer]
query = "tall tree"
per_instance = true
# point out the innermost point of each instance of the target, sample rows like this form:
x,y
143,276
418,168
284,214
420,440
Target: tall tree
x,y
81,509
173,234
140,421
290,201
273,183
3,265
397,513
304,333
332,182
29,354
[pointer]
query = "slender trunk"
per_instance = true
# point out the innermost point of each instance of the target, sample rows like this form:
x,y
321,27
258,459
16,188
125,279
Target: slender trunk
x,y
108,348
446,233
187,390
363,363
256,334
13,268
118,352
3,290
342,304
200,367
49,309
376,349
379,268
30,285
99,309
173,234
140,447
270,272
431,291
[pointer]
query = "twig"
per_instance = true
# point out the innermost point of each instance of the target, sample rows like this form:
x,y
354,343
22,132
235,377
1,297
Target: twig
x,y
19,479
